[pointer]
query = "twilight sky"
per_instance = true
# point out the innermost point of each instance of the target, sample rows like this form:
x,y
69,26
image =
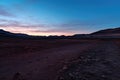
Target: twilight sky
x,y
58,17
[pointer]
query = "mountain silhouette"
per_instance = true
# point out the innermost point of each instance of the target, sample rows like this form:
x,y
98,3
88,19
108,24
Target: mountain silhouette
x,y
8,34
113,31
107,33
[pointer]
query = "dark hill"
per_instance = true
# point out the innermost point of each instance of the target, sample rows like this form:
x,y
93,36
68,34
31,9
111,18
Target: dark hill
x,y
113,31
7,34
107,33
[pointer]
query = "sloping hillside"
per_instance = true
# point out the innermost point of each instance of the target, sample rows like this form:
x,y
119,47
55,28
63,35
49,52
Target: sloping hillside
x,y
7,34
113,31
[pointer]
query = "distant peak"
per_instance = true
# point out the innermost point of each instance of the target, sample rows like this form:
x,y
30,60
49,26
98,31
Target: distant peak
x,y
108,31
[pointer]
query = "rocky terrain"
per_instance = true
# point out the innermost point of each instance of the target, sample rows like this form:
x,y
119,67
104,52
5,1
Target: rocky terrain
x,y
93,56
102,62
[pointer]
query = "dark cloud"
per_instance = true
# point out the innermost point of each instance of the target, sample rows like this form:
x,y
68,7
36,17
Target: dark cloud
x,y
73,26
5,12
14,23
58,30
68,27
7,23
49,30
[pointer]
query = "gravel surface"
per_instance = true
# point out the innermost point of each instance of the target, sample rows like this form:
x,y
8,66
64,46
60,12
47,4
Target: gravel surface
x,y
99,63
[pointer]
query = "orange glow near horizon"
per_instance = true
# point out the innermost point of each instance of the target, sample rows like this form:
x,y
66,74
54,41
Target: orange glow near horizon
x,y
30,31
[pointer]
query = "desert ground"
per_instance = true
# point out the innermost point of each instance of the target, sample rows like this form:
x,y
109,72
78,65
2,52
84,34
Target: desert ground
x,y
52,59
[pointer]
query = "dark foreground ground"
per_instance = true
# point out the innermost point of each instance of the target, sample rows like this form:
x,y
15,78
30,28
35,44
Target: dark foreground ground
x,y
101,62
59,59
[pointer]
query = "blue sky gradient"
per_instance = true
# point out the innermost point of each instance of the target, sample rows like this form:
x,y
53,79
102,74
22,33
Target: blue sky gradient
x,y
58,17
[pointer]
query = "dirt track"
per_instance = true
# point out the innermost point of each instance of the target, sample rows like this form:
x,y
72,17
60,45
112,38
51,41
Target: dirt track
x,y
46,64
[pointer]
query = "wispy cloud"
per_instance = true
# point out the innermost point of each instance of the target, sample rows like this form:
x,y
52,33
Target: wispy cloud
x,y
19,27
5,12
69,28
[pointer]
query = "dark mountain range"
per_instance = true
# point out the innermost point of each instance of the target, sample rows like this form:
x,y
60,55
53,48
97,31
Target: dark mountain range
x,y
107,33
113,31
11,35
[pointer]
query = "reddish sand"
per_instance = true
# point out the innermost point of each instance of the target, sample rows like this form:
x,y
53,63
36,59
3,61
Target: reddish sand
x,y
38,59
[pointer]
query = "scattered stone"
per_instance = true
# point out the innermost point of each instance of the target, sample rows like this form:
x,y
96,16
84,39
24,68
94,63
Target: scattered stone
x,y
65,67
